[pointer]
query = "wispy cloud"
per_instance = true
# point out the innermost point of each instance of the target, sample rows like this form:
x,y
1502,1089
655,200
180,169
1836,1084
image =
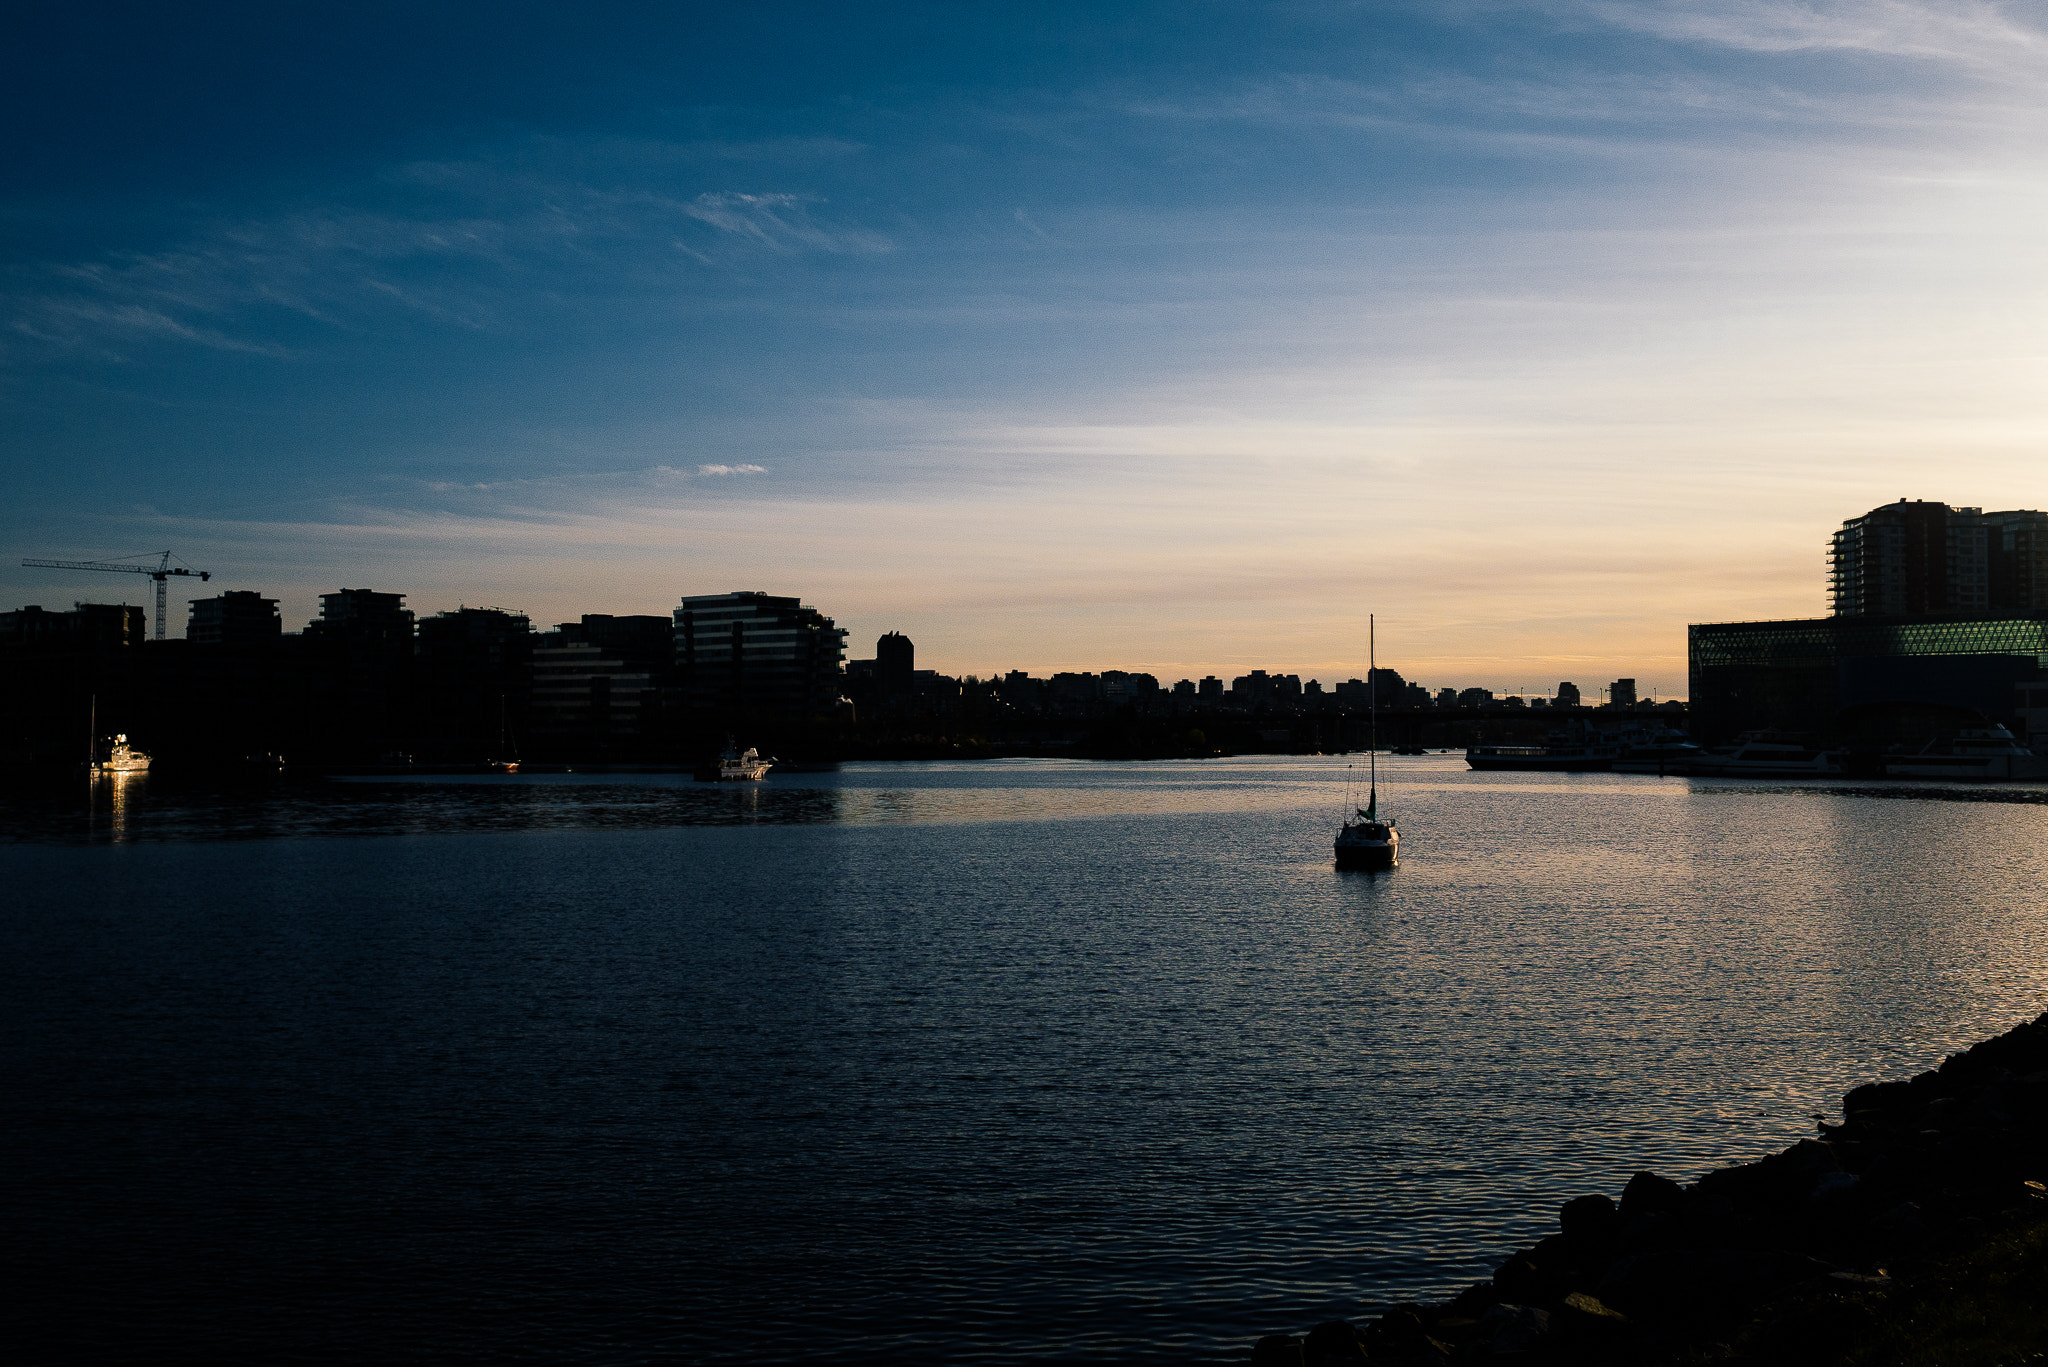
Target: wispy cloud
x,y
1980,34
732,469
246,286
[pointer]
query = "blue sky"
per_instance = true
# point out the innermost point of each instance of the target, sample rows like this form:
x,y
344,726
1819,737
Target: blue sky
x,y
1172,337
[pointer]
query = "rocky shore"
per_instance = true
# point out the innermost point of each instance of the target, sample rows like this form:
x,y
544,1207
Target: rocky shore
x,y
1915,1231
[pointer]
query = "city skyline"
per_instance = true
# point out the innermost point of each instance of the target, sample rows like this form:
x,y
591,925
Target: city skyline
x,y
1172,340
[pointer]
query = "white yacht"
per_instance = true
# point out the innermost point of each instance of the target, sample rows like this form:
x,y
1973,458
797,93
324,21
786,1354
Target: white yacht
x,y
1989,752
1762,754
121,759
743,766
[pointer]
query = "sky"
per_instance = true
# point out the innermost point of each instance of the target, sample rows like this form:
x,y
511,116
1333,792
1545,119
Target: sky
x,y
1174,337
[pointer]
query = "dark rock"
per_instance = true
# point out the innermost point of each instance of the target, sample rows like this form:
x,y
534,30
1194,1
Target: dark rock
x,y
1334,1341
1519,1280
1589,1217
1474,1301
1649,1194
1398,1333
1683,1284
1584,1320
1277,1350
1513,1328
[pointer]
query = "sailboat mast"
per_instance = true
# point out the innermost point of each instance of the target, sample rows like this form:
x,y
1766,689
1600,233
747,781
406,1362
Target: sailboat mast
x,y
1372,683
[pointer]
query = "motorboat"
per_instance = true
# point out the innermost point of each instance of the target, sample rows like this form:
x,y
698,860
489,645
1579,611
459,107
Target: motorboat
x,y
1987,753
742,766
121,759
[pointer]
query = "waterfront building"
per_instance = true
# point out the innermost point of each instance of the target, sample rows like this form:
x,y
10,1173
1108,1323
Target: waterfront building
x,y
598,685
1475,697
52,666
1184,689
2016,558
1841,676
1447,697
1210,690
1567,694
238,617
1908,558
356,663
474,674
1622,693
751,651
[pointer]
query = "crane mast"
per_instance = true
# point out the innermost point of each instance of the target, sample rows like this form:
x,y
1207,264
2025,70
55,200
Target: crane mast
x,y
162,572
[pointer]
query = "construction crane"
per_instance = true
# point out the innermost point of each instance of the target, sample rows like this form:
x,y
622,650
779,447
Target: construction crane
x,y
161,572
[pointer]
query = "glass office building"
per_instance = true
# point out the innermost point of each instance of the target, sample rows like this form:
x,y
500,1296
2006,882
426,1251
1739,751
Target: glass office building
x,y
1803,675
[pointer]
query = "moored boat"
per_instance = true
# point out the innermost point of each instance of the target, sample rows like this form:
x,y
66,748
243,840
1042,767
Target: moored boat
x,y
742,766
121,759
1762,754
1370,842
1989,753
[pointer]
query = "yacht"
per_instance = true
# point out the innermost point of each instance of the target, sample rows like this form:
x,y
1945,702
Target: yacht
x,y
1761,754
1989,752
121,759
742,766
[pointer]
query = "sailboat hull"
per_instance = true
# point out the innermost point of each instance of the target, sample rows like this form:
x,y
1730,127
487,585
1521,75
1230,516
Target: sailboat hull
x,y
1362,847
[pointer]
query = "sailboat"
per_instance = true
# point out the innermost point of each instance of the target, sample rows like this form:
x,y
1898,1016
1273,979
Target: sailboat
x,y
1370,842
506,744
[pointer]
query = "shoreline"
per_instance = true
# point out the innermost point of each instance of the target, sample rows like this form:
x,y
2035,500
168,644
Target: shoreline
x,y
1915,1230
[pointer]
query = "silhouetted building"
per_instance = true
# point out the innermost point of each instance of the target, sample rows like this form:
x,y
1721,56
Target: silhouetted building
x,y
1622,692
746,651
1184,689
598,685
2016,557
1475,697
1210,689
236,618
474,673
895,662
1821,674
1567,694
1913,557
357,659
55,668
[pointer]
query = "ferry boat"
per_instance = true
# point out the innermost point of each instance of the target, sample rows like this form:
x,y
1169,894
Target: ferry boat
x,y
1583,749
1988,753
1558,756
121,759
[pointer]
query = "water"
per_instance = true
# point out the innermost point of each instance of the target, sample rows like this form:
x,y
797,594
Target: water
x,y
1001,1063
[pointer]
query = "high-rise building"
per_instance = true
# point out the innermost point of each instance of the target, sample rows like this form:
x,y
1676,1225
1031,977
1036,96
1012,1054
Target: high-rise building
x,y
746,650
358,657
1910,558
1622,692
895,662
2016,555
1567,694
236,618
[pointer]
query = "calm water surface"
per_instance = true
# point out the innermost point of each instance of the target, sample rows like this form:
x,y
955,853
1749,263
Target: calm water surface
x,y
998,1063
